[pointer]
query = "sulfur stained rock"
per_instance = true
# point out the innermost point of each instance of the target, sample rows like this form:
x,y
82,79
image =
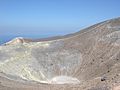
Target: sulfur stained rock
x,y
86,60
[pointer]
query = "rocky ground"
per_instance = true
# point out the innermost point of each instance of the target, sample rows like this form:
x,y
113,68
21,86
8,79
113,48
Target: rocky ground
x,y
86,60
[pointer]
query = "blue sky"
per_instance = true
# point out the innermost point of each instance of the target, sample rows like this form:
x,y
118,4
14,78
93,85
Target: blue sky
x,y
42,18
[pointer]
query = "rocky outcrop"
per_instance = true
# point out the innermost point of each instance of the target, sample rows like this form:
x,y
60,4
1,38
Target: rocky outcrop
x,y
18,40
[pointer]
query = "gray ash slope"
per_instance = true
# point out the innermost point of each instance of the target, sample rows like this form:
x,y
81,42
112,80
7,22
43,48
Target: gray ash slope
x,y
85,58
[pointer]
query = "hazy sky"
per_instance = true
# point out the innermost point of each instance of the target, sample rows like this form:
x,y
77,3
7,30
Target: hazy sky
x,y
53,17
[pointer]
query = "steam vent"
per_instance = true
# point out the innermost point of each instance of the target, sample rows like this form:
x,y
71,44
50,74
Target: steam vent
x,y
85,60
